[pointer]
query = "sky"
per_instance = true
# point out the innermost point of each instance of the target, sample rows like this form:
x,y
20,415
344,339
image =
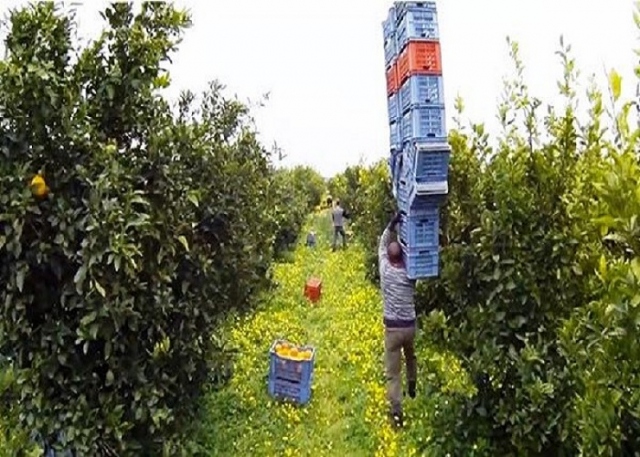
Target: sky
x,y
322,63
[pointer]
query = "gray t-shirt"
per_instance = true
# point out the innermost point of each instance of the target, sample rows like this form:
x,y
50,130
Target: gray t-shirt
x,y
397,289
338,216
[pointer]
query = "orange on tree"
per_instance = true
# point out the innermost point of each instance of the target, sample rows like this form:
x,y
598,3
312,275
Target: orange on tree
x,y
39,186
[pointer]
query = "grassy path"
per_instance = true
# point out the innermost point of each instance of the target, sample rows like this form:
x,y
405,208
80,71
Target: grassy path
x,y
347,412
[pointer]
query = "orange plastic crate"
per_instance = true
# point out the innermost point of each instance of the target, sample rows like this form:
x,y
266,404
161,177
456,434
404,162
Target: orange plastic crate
x,y
313,289
419,58
392,79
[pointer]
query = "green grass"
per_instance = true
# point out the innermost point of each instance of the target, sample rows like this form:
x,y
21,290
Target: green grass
x,y
347,413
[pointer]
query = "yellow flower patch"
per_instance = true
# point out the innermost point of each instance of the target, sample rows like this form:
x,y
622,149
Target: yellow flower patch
x,y
347,414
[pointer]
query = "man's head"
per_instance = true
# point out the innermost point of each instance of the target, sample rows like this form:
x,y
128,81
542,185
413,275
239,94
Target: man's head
x,y
395,252
337,202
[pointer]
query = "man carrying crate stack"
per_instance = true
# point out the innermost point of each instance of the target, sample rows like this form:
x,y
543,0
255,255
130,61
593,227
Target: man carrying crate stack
x,y
399,320
419,165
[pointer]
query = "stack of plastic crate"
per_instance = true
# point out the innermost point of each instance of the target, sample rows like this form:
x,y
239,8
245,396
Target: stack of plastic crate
x,y
419,158
393,103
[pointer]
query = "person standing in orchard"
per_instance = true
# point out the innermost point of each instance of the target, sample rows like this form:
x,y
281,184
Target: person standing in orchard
x,y
399,320
338,215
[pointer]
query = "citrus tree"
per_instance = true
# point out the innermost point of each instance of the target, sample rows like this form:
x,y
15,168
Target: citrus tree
x,y
601,338
537,288
291,198
128,227
310,183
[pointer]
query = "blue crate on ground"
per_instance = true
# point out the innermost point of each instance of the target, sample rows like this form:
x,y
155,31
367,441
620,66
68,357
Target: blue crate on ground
x,y
290,370
421,228
417,25
430,162
293,391
424,123
421,90
421,263
395,134
393,107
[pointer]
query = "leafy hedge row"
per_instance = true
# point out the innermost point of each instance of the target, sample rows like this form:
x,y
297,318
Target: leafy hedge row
x,y
299,191
538,290
158,220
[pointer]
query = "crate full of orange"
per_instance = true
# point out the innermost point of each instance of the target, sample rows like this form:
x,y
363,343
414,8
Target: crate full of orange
x,y
291,371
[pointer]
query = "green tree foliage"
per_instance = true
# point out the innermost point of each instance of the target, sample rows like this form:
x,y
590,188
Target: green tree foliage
x,y
344,187
13,437
156,224
294,193
601,338
310,183
538,288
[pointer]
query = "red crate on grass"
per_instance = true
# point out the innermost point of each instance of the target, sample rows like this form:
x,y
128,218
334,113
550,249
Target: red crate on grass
x,y
419,58
313,289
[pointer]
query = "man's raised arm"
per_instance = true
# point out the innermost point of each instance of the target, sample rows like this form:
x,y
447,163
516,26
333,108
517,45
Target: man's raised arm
x,y
385,238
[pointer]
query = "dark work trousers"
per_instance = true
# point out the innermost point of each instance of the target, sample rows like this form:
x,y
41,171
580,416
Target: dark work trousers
x,y
339,230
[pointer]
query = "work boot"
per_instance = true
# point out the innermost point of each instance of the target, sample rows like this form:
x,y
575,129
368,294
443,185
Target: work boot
x,y
396,418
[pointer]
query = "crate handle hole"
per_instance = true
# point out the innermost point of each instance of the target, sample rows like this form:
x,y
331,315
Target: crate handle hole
x,y
297,381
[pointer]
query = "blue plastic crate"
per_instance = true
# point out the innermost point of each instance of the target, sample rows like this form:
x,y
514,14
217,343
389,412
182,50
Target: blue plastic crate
x,y
390,49
290,370
421,228
418,24
425,202
426,122
395,162
405,168
404,194
390,36
430,162
432,167
389,24
421,263
293,391
401,8
409,201
395,138
421,90
393,107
